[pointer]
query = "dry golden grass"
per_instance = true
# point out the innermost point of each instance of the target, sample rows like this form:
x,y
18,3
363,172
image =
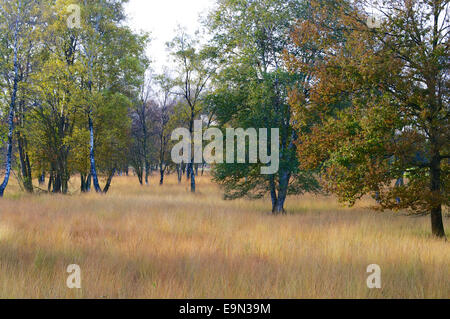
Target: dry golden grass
x,y
163,242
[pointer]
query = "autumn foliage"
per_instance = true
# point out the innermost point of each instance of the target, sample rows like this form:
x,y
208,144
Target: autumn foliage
x,y
373,115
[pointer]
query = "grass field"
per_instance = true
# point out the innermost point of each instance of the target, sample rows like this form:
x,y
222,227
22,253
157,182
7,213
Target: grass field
x,y
164,242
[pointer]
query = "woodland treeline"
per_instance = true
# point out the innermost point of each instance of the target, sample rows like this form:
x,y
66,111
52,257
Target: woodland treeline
x,y
361,104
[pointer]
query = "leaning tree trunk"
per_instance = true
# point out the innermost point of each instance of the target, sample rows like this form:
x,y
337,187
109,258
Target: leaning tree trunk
x,y
437,225
12,107
161,181
108,182
22,145
10,141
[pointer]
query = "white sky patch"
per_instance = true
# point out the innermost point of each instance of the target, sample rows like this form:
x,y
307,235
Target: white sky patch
x,y
161,18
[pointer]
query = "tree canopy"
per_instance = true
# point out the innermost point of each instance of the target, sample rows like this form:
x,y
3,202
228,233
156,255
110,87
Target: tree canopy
x,y
377,109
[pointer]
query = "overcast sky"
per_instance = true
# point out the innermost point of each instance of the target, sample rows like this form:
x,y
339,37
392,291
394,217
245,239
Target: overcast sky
x,y
161,18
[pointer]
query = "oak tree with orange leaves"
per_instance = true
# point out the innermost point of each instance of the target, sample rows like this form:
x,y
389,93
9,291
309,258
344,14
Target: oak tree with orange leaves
x,y
376,108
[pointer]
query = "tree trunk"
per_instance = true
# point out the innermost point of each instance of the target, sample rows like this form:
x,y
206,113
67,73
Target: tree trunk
x,y
25,166
108,182
9,147
12,107
64,184
92,156
63,171
140,175
279,207
29,176
161,181
437,225
188,171
50,182
282,193
88,183
147,171
42,179
191,173
57,183
273,192
83,183
192,178
179,172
